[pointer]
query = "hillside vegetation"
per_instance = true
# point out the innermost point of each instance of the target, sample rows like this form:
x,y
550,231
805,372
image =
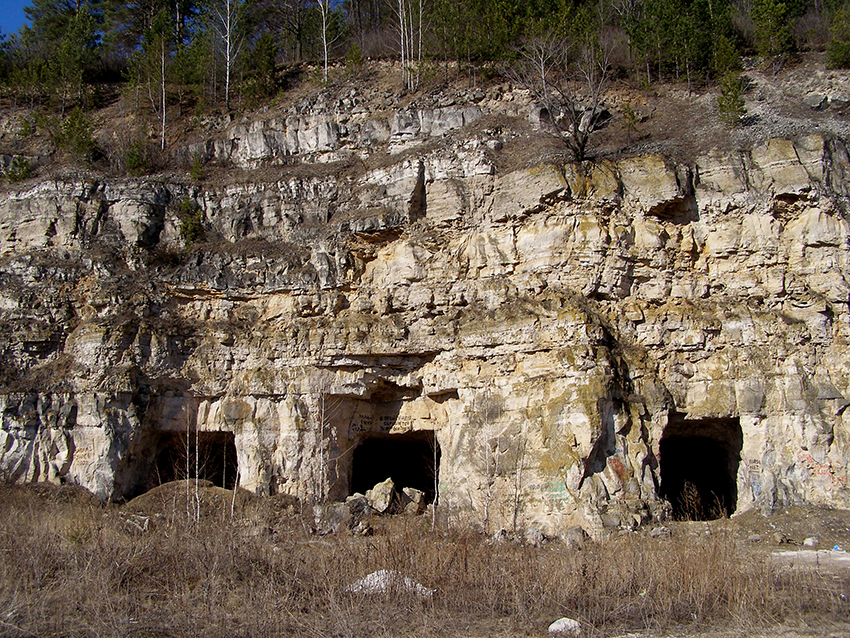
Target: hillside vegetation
x,y
173,66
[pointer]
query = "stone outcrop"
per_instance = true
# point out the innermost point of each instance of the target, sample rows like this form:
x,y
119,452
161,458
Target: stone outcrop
x,y
328,136
558,337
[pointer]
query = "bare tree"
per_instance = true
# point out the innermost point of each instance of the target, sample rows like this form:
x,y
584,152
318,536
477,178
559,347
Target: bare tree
x,y
435,448
491,471
197,514
320,491
567,81
233,496
193,498
410,16
488,411
324,11
226,21
189,502
148,67
163,52
327,39
327,408
519,466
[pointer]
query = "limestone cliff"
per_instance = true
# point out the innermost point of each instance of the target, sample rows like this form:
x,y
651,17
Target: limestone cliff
x,y
558,337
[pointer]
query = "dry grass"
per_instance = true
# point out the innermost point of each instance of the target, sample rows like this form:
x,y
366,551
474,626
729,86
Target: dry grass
x,y
71,567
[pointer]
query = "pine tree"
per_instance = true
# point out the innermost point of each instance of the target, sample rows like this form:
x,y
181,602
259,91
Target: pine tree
x,y
51,19
262,77
190,67
772,31
73,58
838,50
726,58
730,102
56,55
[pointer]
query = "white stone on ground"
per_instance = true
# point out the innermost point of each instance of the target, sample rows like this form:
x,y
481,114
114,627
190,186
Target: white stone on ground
x,y
565,627
385,580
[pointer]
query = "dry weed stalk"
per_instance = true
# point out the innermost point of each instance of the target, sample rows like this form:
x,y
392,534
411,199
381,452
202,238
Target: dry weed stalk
x,y
98,575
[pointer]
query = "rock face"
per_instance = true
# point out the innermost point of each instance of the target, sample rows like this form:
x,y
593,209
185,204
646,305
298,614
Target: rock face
x,y
544,348
329,135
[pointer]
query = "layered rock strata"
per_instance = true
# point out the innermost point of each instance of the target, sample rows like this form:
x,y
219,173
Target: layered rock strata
x,y
558,336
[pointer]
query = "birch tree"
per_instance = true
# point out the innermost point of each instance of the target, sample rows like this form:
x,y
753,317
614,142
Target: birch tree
x,y
324,12
163,54
435,458
149,67
226,22
410,16
193,498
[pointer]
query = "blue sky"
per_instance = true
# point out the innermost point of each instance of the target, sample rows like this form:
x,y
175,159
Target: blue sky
x,y
12,15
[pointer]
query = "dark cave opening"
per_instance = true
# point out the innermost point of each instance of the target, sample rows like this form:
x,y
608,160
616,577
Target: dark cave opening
x,y
411,460
699,466
212,457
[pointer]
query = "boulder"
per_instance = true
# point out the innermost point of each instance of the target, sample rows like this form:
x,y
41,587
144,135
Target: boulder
x,y
816,101
382,497
839,101
414,500
593,119
358,505
330,518
650,183
527,189
565,627
538,116
502,536
389,580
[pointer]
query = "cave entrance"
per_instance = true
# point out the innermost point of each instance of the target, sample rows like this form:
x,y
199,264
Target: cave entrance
x,y
411,460
699,466
214,460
